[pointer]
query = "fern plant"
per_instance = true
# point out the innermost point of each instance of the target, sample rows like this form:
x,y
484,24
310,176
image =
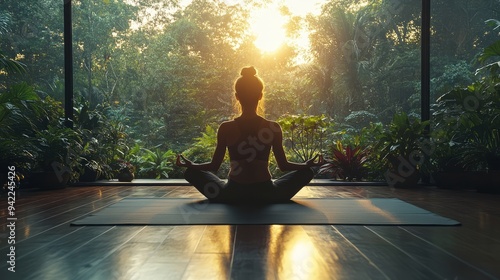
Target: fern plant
x,y
155,163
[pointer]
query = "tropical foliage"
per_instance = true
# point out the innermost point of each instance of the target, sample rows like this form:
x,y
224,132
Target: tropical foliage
x,y
468,117
304,136
160,72
346,163
154,163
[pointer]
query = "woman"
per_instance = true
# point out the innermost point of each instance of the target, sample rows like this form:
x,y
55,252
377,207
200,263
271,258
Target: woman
x,y
249,139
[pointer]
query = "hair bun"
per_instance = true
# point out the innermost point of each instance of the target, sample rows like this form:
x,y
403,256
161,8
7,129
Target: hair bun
x,y
248,71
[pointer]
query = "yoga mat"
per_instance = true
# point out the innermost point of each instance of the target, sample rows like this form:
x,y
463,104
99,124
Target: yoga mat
x,y
312,211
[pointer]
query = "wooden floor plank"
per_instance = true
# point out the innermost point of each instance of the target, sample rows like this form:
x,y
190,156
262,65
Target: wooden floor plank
x,y
343,260
34,257
122,263
43,222
251,255
87,258
179,192
461,245
208,266
57,242
161,270
217,240
385,256
441,262
152,234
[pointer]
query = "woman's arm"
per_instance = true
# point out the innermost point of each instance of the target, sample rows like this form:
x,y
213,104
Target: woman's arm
x,y
279,154
217,158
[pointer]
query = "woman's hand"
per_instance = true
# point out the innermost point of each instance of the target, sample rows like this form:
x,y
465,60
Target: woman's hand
x,y
312,162
184,163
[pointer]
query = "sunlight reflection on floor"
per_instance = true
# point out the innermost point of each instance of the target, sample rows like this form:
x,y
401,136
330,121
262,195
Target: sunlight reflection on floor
x,y
295,254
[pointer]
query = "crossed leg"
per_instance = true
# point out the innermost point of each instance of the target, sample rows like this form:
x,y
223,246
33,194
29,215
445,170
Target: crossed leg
x,y
282,189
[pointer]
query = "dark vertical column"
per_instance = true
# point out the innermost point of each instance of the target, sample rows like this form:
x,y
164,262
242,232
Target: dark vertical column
x,y
425,111
68,65
425,61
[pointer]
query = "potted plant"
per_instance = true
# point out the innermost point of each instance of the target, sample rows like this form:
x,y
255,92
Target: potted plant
x,y
94,161
347,163
467,137
124,170
486,134
92,170
104,141
57,159
481,155
18,106
446,169
17,152
445,166
400,145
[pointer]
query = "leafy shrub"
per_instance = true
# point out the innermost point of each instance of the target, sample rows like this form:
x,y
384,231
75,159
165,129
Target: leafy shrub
x,y
303,135
155,164
203,149
346,163
467,119
360,119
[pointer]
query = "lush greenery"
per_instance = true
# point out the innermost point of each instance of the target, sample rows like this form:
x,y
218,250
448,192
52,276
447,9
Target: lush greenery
x,y
347,163
148,87
467,118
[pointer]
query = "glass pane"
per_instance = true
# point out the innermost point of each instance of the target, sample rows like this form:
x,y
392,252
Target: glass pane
x,y
166,71
465,42
154,78
31,33
459,34
31,85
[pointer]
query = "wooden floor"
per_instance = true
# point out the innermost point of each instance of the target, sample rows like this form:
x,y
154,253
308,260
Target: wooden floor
x,y
47,247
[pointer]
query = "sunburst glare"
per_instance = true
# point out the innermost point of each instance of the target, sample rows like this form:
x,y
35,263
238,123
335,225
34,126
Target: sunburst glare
x,y
268,26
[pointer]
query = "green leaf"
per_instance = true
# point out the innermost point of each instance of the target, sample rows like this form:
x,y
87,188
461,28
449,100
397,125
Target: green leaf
x,y
493,23
492,50
11,65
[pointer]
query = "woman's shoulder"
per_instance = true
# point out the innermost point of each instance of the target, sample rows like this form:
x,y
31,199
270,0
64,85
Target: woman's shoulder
x,y
226,124
274,125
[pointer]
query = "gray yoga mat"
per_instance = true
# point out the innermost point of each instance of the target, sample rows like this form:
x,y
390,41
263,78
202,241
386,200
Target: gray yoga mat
x,y
312,211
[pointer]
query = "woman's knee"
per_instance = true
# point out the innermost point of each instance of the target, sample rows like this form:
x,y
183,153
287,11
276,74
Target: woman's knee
x,y
306,173
196,175
190,174
205,182
212,190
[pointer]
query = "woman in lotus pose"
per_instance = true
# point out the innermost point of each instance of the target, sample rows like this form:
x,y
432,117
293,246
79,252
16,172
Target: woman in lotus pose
x,y
249,139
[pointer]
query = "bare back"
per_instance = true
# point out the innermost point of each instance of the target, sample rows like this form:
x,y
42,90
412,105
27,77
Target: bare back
x,y
249,142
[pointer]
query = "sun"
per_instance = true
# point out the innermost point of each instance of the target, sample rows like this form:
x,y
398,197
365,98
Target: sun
x,y
268,27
